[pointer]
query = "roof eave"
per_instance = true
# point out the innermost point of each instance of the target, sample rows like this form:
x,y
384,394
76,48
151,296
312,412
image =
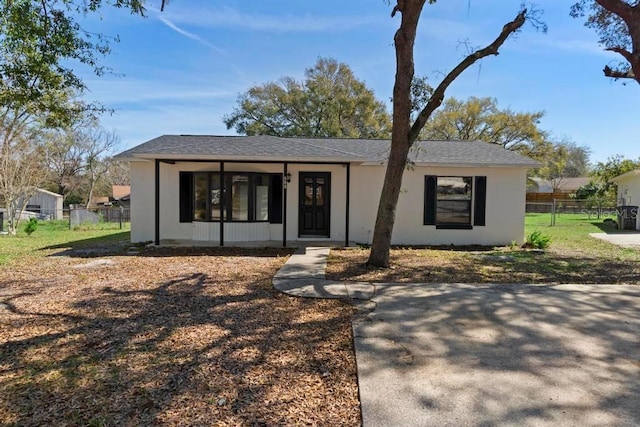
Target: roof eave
x,y
479,165
629,174
246,159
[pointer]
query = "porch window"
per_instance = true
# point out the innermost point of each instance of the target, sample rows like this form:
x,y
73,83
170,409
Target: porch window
x,y
450,201
245,197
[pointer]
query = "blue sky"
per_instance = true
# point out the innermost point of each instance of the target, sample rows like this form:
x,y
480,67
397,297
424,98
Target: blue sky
x,y
180,71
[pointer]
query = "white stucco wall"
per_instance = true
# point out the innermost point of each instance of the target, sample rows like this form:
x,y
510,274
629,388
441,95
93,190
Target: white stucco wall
x,y
142,201
629,193
504,215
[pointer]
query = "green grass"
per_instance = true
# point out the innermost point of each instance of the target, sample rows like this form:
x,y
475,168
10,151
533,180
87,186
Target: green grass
x,y
55,236
572,257
571,234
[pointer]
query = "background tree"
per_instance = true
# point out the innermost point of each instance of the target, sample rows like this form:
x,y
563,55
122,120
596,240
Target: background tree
x,y
100,145
41,44
577,162
79,160
330,102
405,133
64,158
617,23
564,160
604,172
22,170
480,119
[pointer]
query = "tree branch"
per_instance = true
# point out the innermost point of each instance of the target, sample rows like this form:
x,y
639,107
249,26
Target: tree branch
x,y
622,51
618,7
619,74
438,94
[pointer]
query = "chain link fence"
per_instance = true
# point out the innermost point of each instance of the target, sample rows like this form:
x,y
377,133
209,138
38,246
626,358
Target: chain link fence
x,y
119,216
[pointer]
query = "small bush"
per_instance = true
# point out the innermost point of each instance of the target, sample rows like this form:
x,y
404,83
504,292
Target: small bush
x,y
537,240
31,226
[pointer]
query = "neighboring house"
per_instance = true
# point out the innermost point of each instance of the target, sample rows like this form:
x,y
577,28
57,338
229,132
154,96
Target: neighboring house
x,y
629,195
121,195
223,189
46,204
545,190
99,201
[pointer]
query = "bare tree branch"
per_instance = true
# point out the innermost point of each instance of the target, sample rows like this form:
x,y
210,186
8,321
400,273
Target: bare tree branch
x,y
439,92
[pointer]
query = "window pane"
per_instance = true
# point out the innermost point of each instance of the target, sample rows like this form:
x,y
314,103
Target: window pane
x,y
240,197
200,197
454,211
453,200
216,196
261,198
454,188
320,193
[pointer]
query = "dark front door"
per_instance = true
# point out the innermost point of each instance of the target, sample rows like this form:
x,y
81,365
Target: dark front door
x,y
314,204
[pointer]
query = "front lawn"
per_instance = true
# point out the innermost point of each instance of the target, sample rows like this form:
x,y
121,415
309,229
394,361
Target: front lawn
x,y
573,257
165,337
52,236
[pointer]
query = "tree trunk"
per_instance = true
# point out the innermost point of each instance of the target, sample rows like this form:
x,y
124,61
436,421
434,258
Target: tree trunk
x,y
404,40
404,134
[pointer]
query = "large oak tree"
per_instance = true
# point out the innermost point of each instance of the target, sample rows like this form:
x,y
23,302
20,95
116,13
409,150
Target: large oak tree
x,y
404,132
617,23
329,102
480,119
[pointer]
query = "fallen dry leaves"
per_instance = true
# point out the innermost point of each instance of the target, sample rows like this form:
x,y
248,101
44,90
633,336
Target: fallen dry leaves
x,y
483,265
171,337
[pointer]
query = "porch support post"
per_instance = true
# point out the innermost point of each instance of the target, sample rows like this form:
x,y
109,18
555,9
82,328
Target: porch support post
x,y
157,203
222,203
284,203
346,232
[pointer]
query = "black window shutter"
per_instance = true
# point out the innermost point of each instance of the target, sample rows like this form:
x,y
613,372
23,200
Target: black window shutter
x,y
275,199
430,183
186,196
480,209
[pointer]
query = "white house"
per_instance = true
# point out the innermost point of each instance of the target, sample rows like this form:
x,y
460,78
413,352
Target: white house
x,y
225,189
629,195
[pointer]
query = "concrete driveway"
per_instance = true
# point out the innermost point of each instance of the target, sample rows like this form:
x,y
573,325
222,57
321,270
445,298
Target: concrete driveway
x,y
526,355
624,239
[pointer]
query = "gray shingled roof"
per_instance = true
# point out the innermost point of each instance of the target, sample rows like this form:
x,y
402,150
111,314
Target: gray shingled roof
x,y
320,149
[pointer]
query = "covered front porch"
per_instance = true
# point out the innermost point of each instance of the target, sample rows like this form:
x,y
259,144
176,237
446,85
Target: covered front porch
x,y
252,203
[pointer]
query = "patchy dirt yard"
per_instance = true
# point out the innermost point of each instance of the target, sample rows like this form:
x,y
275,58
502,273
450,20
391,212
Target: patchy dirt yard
x,y
487,265
170,337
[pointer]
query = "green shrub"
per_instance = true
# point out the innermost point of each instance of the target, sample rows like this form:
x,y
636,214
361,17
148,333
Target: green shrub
x,y
31,226
537,240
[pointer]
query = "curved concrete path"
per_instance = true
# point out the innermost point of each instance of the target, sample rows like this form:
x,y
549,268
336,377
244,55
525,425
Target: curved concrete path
x,y
303,276
487,355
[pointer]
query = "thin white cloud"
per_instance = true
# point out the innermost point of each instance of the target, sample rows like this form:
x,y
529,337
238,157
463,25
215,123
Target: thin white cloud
x,y
228,17
187,34
128,90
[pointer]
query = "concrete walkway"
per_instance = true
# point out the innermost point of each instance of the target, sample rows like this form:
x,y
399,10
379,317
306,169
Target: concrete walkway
x,y
303,276
623,239
487,355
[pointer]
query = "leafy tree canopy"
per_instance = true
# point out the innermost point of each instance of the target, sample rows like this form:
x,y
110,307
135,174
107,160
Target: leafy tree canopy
x,y
565,159
40,43
617,23
604,172
602,185
330,102
480,119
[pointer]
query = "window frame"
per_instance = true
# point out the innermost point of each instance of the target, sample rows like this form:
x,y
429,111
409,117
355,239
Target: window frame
x,y
477,208
226,208
455,225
